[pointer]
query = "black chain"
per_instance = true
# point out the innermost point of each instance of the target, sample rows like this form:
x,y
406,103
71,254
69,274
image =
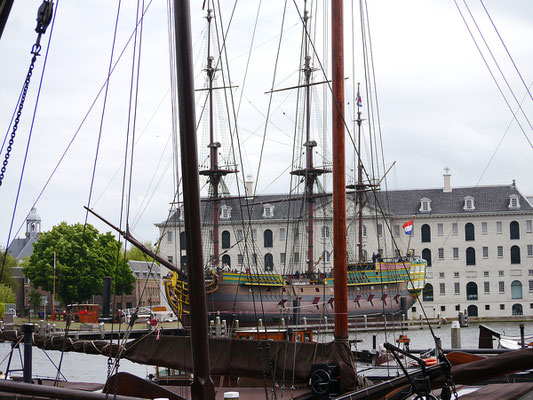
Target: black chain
x,y
272,370
44,16
262,361
109,366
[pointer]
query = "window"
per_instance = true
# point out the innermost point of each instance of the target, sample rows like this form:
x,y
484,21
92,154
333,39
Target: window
x,y
282,233
456,274
254,259
514,230
326,256
441,275
455,229
267,238
268,211
282,258
426,233
514,202
226,259
500,273
487,307
170,259
325,232
530,272
169,237
380,230
516,290
501,287
296,258
427,293
440,229
498,227
471,291
486,287
425,205
530,282
484,228
502,306
443,308
296,233
469,232
240,259
500,251
254,234
469,204
515,255
456,288
485,252
239,235
226,240
530,250
486,274
470,256
458,307
364,230
529,226
456,253
442,289
396,230
225,212
441,253
426,255
269,262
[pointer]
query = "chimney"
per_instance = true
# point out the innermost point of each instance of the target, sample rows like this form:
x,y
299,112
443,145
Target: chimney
x,y
447,181
249,186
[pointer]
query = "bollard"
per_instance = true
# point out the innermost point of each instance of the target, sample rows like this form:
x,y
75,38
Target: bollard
x,y
325,321
41,328
27,329
236,324
522,339
374,342
260,322
212,329
439,321
304,321
456,335
101,327
421,321
218,328
54,328
365,320
283,322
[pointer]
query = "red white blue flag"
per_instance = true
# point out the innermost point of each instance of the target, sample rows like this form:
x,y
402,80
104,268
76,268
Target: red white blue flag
x,y
358,100
408,227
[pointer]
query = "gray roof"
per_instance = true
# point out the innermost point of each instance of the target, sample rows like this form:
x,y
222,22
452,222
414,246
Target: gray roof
x,y
22,247
143,266
487,199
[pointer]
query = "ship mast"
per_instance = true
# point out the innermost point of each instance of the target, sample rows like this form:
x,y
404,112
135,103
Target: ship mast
x,y
360,188
215,173
202,386
339,185
310,173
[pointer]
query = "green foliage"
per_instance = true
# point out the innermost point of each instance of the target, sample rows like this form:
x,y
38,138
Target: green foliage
x,y
7,295
134,254
79,270
34,298
9,263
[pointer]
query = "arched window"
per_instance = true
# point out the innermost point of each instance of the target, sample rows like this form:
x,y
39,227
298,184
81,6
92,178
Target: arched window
x,y
469,231
183,241
226,260
515,255
267,238
427,293
514,230
426,233
325,232
269,262
472,310
471,291
470,256
516,290
226,240
517,309
426,255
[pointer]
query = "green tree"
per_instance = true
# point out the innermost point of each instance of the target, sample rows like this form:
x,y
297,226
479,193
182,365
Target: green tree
x,y
9,263
134,254
6,294
79,270
35,298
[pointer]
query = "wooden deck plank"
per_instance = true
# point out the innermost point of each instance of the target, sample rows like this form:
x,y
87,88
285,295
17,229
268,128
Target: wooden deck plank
x,y
499,391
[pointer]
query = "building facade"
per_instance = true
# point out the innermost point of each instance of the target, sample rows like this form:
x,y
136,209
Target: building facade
x,y
477,240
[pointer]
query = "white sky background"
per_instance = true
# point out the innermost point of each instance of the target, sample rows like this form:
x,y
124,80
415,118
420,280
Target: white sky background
x,y
438,104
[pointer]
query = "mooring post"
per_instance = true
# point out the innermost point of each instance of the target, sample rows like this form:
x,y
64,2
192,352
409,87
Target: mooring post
x,y
522,339
456,335
27,329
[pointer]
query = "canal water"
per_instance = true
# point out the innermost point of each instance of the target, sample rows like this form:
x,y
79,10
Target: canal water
x,y
93,368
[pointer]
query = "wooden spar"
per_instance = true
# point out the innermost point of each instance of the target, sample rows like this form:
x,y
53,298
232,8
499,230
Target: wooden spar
x,y
202,386
339,185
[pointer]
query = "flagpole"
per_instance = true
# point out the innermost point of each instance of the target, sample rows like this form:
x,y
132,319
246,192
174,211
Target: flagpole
x,y
410,235
54,290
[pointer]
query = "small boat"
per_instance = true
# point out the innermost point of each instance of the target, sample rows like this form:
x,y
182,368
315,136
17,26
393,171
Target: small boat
x,y
487,335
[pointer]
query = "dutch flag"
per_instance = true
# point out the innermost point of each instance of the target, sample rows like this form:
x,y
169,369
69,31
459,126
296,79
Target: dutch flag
x,y
408,227
358,100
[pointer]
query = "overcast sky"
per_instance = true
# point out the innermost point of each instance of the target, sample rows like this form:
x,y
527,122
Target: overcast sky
x,y
439,106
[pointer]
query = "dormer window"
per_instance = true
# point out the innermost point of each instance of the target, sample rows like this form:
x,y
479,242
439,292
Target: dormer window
x,y
469,204
225,212
425,205
514,202
268,211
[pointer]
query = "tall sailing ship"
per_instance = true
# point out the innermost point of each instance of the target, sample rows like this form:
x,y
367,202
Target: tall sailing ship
x,y
283,265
